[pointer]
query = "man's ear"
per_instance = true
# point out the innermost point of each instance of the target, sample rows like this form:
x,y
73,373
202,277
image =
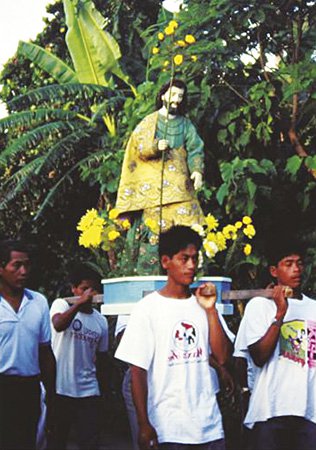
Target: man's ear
x,y
273,271
165,259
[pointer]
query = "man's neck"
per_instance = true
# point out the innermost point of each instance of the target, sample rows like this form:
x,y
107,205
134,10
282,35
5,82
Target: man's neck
x,y
12,296
172,290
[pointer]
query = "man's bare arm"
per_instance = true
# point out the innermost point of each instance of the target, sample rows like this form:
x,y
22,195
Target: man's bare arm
x,y
262,350
147,438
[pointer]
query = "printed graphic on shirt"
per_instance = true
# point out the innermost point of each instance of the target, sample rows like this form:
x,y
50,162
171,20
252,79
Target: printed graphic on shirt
x,y
298,342
185,338
83,333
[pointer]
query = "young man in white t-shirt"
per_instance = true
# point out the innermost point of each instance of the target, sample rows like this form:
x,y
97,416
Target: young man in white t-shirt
x,y
279,335
80,343
167,342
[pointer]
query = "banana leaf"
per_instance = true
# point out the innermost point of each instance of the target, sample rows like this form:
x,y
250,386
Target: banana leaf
x,y
94,52
51,64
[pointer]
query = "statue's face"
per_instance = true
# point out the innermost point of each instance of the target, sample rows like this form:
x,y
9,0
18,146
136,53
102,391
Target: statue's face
x,y
172,98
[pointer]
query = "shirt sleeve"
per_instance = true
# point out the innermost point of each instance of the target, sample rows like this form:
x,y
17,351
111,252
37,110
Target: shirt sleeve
x,y
259,315
121,323
195,148
59,306
45,331
103,344
229,333
137,344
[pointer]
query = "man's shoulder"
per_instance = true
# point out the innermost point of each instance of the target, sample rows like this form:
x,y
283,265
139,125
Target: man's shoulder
x,y
35,295
147,120
100,318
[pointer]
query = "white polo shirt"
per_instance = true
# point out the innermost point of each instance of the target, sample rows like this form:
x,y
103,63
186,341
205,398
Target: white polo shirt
x,y
22,332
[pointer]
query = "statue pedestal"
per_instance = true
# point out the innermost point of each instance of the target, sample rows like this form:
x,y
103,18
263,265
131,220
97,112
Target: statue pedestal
x,y
121,294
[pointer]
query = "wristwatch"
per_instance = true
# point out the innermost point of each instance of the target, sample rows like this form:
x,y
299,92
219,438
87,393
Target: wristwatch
x,y
278,322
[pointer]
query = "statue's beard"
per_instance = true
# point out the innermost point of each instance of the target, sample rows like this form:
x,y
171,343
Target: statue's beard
x,y
173,110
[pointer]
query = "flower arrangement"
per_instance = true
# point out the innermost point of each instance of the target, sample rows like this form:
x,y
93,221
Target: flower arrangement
x,y
104,232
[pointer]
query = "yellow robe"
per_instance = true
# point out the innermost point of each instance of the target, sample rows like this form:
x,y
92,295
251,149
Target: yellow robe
x,y
140,183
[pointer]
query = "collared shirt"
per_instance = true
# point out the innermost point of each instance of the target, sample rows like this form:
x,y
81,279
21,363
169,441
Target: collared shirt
x,y
21,334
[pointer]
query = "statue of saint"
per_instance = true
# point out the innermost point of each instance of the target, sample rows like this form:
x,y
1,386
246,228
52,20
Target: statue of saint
x,y
163,164
162,169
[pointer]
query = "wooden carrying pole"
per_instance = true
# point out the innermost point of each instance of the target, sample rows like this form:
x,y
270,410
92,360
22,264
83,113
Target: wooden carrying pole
x,y
245,294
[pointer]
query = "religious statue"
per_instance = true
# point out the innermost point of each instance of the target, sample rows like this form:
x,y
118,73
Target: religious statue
x,y
163,164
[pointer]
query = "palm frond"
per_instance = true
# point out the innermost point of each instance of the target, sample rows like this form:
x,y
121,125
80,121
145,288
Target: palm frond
x,y
56,92
18,182
48,62
30,118
32,138
62,147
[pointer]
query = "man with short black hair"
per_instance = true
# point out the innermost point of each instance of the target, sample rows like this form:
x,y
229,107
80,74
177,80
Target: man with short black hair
x,y
25,351
167,342
279,334
80,343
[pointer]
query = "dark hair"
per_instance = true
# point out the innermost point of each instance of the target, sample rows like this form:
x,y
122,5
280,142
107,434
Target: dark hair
x,y
83,272
178,238
179,84
8,246
282,247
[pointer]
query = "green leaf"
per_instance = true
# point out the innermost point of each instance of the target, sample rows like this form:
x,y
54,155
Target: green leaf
x,y
293,164
94,52
222,193
48,62
252,188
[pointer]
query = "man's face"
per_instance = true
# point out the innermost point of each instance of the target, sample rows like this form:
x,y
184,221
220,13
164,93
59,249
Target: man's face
x,y
16,272
289,271
83,286
182,266
174,95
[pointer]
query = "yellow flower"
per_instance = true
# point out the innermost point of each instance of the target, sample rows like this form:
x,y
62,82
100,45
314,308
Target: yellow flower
x,y
247,220
169,30
155,50
221,241
87,220
178,60
211,237
91,237
113,214
190,39
126,225
181,43
211,222
230,232
249,231
198,228
152,225
113,235
166,63
173,24
161,36
194,58
247,249
238,224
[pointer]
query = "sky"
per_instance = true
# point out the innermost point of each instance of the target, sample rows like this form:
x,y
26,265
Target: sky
x,y
19,20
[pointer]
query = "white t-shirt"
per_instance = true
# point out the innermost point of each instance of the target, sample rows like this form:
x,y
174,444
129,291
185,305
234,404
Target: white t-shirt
x,y
22,332
241,351
286,384
169,339
75,351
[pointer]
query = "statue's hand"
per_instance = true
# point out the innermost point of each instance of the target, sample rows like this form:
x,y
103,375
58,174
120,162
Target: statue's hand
x,y
197,179
163,144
